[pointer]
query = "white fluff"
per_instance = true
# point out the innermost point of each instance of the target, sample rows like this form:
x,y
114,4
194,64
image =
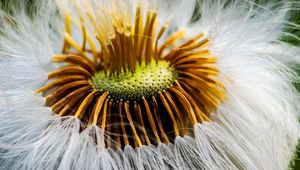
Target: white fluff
x,y
255,128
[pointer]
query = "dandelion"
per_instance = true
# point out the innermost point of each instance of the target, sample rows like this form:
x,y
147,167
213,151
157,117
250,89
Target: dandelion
x,y
147,85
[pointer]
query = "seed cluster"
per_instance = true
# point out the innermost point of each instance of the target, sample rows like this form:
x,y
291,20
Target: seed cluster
x,y
138,91
148,80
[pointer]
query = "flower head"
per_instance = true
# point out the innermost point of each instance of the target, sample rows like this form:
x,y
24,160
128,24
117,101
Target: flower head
x,y
137,84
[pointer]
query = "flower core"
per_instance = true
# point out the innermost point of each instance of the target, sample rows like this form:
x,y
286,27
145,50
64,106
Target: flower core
x,y
147,80
137,89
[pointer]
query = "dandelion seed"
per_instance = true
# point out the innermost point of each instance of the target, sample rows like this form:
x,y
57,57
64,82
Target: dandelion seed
x,y
136,85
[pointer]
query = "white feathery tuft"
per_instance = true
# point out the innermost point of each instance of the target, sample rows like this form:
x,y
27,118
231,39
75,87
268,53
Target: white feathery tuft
x,y
257,80
255,128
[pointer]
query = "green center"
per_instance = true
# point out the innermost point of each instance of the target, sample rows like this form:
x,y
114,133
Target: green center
x,y
148,80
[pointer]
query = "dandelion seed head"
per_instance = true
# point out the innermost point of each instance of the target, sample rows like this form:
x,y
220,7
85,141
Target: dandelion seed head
x,y
133,81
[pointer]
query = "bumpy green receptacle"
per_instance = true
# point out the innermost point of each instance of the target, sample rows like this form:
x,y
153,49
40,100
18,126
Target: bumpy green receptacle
x,y
147,81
